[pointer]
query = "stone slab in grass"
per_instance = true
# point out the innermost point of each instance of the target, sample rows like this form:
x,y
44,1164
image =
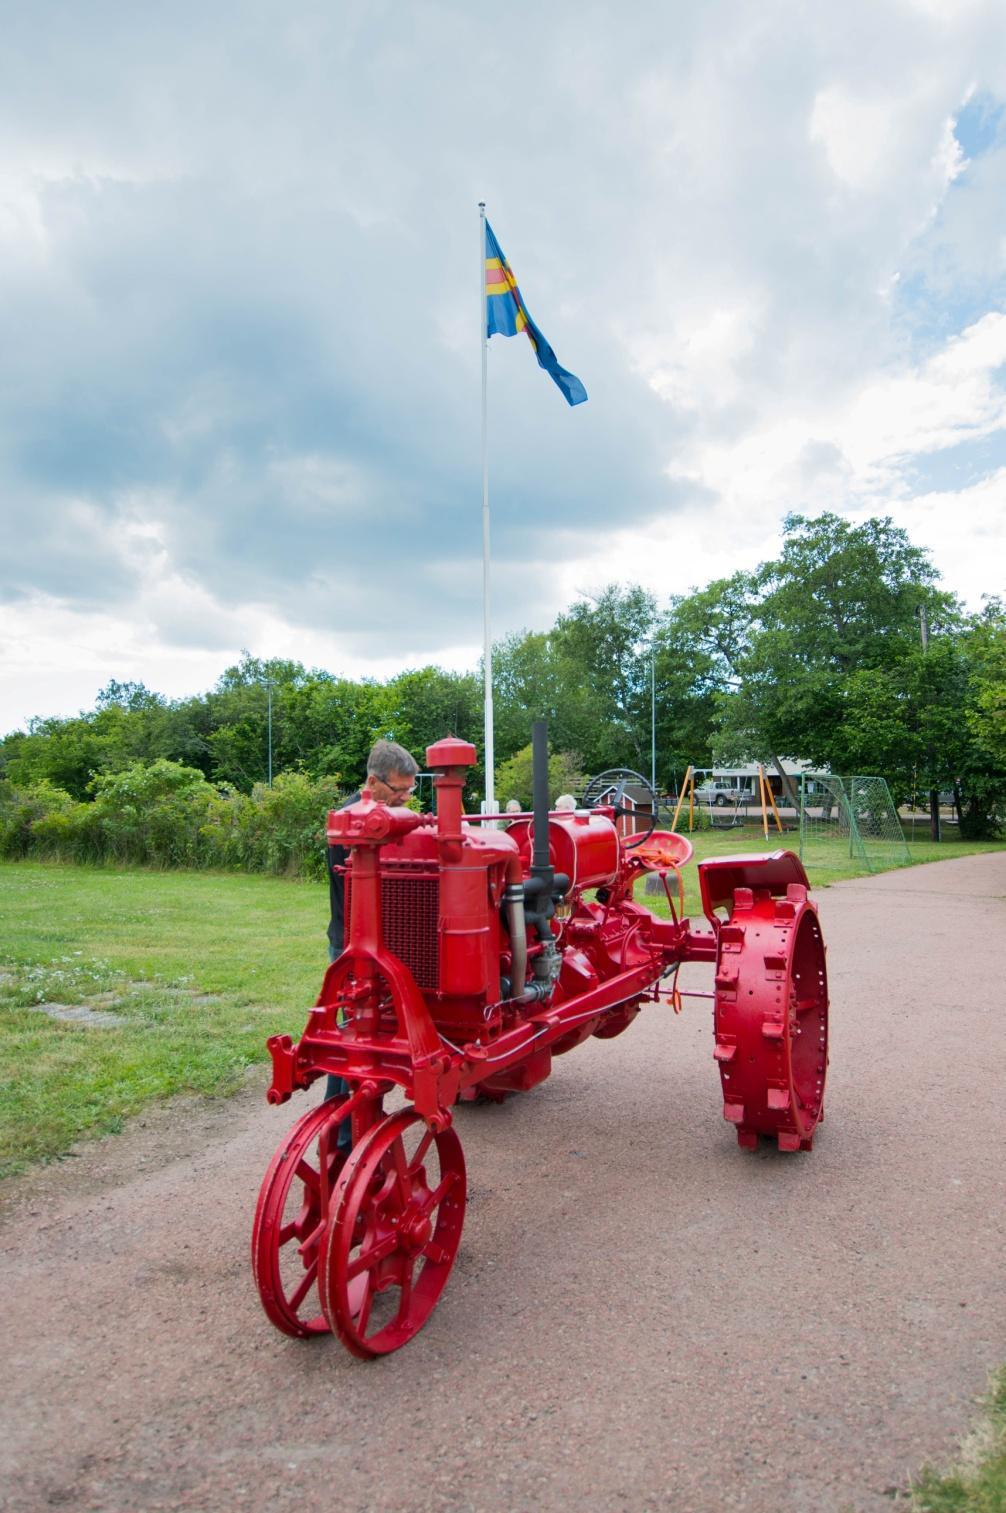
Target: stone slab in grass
x,y
81,1013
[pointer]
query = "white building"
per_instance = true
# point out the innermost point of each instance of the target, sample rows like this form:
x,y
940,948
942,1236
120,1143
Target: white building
x,y
742,781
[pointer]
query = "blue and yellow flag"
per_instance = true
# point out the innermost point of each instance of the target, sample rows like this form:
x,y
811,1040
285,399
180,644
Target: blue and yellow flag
x,y
506,314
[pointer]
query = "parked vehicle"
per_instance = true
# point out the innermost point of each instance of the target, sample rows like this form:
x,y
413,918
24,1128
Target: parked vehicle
x,y
719,793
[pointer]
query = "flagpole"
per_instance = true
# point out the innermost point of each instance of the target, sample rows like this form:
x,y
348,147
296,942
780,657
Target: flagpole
x,y
487,652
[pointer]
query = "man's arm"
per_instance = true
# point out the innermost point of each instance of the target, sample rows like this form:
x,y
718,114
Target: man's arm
x,y
337,858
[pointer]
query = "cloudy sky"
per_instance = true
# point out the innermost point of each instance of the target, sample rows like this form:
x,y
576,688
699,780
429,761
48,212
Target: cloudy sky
x,y
239,296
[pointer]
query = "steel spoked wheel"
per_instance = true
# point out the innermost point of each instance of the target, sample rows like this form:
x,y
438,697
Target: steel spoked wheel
x,y
611,787
393,1234
771,1019
290,1222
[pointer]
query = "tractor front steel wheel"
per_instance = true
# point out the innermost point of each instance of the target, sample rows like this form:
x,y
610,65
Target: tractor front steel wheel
x,y
393,1234
290,1222
771,1017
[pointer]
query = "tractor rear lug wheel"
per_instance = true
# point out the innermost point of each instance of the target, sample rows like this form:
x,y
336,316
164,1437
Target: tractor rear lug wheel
x,y
771,1019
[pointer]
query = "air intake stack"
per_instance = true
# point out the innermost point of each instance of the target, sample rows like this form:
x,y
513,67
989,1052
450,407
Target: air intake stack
x,y
541,865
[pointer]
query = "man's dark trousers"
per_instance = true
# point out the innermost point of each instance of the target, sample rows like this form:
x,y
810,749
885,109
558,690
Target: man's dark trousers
x,y
338,856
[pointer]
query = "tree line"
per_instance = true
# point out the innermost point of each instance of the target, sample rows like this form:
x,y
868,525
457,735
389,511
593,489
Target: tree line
x,y
816,655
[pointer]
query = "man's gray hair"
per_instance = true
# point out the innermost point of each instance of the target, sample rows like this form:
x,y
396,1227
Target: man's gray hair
x,y
387,758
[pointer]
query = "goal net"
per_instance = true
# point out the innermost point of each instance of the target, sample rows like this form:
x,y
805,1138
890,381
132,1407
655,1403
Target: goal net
x,y
849,821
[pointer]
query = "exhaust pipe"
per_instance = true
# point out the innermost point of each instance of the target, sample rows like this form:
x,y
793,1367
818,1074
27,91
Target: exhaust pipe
x,y
541,866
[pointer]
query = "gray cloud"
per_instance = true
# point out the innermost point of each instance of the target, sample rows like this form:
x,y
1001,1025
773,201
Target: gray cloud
x,y
239,306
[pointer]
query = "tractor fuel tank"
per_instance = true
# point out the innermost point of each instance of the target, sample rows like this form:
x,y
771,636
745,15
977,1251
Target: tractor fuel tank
x,y
583,846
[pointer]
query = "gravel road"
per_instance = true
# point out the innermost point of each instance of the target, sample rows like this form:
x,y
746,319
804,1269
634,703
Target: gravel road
x,y
642,1316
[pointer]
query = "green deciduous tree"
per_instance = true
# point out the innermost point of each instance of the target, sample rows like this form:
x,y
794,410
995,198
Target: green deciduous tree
x,y
514,777
815,655
428,703
589,677
986,650
841,602
602,646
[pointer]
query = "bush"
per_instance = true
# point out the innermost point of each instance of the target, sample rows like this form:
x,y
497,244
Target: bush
x,y
164,814
278,829
151,813
514,777
22,810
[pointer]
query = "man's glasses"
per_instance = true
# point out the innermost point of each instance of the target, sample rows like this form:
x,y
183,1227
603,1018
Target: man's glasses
x,y
399,790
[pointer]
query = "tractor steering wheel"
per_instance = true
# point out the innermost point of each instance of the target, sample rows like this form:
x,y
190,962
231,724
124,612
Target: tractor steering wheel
x,y
618,779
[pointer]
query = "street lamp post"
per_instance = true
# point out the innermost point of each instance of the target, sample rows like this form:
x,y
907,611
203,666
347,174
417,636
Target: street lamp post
x,y
653,719
269,688
934,793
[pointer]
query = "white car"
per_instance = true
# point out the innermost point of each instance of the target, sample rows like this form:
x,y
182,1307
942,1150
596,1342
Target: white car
x,y
718,793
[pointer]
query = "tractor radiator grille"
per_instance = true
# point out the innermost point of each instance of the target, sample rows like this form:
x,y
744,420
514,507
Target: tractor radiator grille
x,y
410,914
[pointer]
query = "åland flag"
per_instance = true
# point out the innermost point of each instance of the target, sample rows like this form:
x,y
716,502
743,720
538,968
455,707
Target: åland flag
x,y
506,314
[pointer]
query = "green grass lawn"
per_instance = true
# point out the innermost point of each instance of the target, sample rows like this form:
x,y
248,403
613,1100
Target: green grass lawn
x,y
200,969
182,976
826,863
977,1484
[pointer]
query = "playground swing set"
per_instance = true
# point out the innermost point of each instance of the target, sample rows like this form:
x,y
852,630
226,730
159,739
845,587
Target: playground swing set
x,y
730,820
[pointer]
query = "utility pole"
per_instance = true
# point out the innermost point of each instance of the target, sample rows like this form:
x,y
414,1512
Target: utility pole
x,y
653,720
934,793
269,688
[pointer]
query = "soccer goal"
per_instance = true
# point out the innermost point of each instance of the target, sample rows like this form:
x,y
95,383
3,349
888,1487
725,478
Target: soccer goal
x,y
850,821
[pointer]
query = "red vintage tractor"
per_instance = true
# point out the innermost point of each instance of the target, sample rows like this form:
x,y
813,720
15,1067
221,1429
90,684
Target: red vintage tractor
x,y
475,955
